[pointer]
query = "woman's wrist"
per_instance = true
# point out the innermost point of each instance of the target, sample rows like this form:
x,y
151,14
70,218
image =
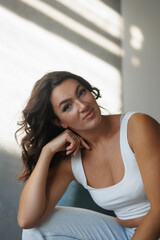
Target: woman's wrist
x,y
48,152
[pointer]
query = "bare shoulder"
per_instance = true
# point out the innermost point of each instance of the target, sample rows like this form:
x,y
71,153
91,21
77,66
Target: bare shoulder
x,y
142,128
142,121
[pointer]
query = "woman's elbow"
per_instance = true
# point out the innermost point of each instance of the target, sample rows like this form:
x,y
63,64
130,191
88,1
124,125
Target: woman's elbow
x,y
155,211
24,223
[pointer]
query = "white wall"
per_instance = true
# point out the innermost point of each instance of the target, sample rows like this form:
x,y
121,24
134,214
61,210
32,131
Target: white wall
x,y
38,36
141,64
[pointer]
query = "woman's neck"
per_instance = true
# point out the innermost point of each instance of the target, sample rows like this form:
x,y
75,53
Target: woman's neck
x,y
106,128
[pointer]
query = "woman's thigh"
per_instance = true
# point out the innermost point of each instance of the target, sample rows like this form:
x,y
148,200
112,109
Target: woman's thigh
x,y
66,223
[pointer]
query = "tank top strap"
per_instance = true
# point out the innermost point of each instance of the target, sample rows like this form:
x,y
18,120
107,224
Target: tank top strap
x,y
127,116
124,119
77,168
121,118
125,147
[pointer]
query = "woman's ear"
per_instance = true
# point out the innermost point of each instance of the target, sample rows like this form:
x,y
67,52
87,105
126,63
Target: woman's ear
x,y
57,123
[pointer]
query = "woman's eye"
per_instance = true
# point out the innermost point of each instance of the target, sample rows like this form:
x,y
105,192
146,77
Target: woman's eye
x,y
82,91
66,107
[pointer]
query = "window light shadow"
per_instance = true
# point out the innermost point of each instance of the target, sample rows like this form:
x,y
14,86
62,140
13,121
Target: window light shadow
x,y
33,43
136,38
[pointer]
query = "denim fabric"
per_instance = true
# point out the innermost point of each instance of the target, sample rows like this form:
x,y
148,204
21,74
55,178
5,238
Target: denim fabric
x,y
68,223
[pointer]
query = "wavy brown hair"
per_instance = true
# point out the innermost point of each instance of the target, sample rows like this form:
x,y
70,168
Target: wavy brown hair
x,y
37,119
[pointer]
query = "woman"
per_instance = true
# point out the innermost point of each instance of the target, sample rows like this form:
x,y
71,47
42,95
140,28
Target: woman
x,y
67,138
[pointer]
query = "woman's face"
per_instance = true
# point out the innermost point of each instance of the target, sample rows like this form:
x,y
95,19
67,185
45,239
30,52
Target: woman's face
x,y
75,106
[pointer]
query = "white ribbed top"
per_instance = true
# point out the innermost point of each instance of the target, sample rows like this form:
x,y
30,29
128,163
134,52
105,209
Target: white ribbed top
x,y
127,198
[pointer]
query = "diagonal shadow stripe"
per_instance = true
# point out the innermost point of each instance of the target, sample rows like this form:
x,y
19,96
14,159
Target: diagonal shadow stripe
x,y
67,11
53,26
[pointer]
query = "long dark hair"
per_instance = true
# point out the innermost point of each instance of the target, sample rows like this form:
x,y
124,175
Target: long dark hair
x,y
37,125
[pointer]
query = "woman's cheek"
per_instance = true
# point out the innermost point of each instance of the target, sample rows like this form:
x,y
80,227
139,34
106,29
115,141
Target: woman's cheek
x,y
74,113
71,115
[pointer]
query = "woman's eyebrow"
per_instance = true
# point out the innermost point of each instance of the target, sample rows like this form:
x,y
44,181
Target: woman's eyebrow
x,y
68,99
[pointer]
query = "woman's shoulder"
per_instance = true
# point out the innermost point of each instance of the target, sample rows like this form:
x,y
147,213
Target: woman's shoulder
x,y
142,120
135,120
142,126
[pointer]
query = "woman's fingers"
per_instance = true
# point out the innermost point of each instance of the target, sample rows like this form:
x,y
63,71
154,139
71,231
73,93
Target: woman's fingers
x,y
76,143
67,141
84,144
72,140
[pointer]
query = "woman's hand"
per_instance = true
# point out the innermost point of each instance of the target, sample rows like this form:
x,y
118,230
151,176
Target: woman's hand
x,y
67,141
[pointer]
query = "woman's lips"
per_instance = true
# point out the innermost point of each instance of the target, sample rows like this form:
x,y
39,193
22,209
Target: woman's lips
x,y
89,114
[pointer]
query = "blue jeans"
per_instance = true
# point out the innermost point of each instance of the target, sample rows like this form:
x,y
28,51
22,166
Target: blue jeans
x,y
68,223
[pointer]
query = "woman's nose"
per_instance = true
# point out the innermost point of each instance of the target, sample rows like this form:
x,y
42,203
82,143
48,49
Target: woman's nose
x,y
82,106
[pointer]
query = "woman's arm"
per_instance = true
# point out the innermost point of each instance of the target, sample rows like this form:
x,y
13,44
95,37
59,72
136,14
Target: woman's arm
x,y
144,138
44,189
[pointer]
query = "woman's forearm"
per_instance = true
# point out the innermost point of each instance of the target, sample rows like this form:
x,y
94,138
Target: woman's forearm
x,y
33,197
35,200
149,229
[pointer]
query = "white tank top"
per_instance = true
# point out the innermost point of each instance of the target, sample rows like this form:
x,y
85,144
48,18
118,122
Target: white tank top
x,y
127,198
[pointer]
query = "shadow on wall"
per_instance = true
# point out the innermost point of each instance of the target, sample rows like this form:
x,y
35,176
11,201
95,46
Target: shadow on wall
x,y
50,23
9,197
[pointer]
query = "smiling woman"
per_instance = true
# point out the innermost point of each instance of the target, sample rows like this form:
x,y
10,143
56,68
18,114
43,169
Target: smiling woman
x,y
73,105
67,138
39,114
